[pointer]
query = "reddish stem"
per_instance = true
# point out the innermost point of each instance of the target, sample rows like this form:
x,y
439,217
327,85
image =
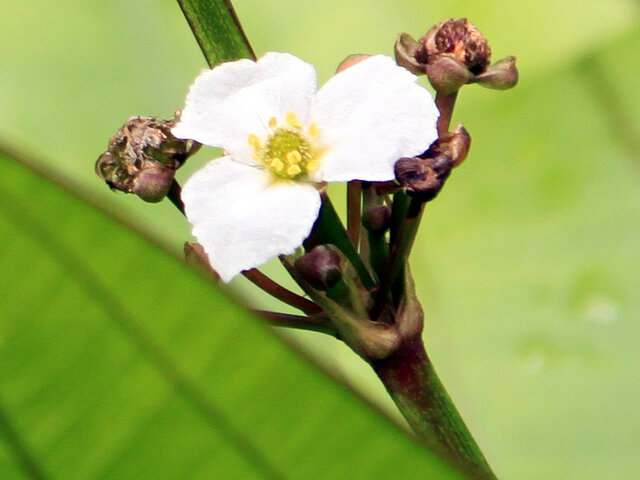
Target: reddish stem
x,y
276,290
312,323
445,103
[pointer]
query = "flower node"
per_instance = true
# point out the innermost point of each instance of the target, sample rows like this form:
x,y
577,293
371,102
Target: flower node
x,y
288,150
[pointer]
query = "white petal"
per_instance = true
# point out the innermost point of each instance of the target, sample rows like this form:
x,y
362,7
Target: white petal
x,y
242,219
227,104
369,116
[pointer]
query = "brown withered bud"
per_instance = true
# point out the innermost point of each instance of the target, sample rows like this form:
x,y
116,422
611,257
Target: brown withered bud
x,y
458,38
321,267
453,144
418,178
142,158
424,176
452,54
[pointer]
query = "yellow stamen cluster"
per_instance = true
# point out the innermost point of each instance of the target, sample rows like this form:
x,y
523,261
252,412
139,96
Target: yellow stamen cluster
x,y
288,150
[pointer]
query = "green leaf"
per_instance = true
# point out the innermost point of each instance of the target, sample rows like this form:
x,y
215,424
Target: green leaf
x,y
217,30
120,362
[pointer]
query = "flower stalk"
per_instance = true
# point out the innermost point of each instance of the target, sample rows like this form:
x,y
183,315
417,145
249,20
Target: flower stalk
x,y
412,382
376,219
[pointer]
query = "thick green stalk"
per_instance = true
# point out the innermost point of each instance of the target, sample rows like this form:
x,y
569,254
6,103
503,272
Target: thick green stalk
x,y
411,380
217,29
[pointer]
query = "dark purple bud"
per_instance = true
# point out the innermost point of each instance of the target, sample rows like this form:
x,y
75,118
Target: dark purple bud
x,y
321,267
377,219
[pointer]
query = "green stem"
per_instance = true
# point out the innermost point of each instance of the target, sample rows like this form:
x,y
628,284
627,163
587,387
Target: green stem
x,y
402,238
411,380
354,219
374,245
378,251
399,209
217,29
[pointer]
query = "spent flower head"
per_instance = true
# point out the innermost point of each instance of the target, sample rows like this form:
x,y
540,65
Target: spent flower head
x,y
454,53
283,139
142,158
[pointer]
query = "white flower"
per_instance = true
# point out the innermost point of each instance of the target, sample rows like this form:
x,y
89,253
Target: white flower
x,y
282,138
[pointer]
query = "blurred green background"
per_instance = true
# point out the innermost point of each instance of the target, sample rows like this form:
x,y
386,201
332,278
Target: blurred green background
x,y
527,264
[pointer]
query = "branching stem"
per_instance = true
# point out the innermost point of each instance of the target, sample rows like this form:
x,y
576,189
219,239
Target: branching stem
x,y
412,382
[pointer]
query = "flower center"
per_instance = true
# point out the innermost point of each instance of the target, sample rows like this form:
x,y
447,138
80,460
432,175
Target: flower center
x,y
288,150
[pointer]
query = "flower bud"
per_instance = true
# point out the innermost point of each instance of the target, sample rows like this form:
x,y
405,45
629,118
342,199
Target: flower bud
x,y
142,157
321,267
377,219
